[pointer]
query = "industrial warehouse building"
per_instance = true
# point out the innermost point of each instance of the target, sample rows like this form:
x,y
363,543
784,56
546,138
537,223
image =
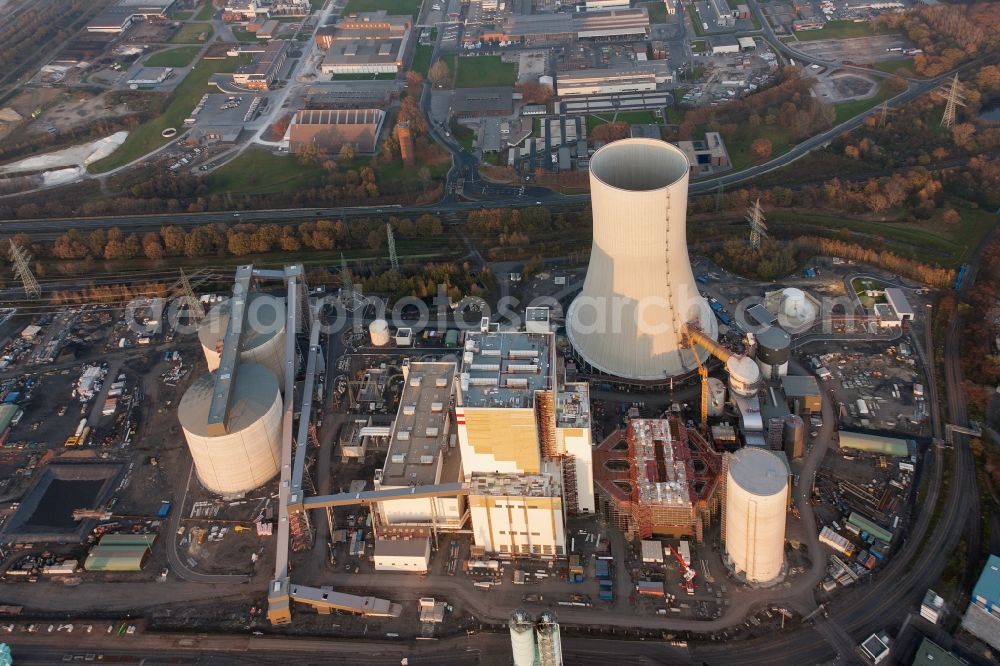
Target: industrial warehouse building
x,y
118,16
982,617
406,555
264,70
547,28
120,552
331,130
371,43
606,81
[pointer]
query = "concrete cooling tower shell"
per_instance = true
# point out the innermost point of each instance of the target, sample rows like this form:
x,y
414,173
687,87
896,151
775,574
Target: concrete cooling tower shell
x,y
756,501
263,339
639,291
249,454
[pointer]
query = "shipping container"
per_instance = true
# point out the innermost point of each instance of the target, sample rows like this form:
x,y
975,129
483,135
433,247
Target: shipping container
x,y
164,509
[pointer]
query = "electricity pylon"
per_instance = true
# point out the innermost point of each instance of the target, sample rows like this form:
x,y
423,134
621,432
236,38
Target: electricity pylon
x,y
955,100
393,259
755,218
22,270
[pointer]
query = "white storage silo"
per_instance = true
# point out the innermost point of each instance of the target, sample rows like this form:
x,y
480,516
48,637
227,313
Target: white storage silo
x,y
756,501
522,638
549,640
249,454
263,339
379,331
639,292
744,375
773,351
547,81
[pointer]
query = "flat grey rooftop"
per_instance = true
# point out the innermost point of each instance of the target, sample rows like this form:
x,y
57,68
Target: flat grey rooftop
x,y
759,471
420,433
504,369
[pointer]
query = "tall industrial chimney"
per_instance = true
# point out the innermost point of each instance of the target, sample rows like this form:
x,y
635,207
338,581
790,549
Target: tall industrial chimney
x,y
640,291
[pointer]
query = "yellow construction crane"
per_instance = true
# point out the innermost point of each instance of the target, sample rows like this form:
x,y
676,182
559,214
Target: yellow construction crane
x,y
692,338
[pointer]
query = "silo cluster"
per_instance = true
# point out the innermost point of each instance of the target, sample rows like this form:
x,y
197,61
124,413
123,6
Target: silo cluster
x,y
755,506
535,643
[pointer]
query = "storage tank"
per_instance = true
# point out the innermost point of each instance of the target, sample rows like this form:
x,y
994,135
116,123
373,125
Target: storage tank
x,y
756,501
744,375
379,330
249,454
522,638
263,339
796,308
639,292
548,81
716,396
773,348
793,436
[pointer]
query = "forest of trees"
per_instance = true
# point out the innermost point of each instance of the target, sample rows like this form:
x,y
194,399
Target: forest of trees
x,y
948,34
787,105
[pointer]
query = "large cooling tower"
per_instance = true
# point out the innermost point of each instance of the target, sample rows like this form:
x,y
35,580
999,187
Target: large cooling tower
x,y
249,454
639,290
756,499
263,339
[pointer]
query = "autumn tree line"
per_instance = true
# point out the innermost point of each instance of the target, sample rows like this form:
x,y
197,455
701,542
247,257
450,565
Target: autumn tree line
x,y
948,34
236,240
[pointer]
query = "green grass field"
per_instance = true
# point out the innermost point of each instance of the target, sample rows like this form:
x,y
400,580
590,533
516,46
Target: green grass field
x,y
317,4
206,12
242,35
901,66
181,15
261,172
657,11
411,7
630,117
837,30
930,241
179,57
146,137
189,33
484,71
696,21
739,147
422,59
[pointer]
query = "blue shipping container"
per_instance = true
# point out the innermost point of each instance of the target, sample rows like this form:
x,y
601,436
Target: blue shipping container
x,y
164,509
606,595
603,569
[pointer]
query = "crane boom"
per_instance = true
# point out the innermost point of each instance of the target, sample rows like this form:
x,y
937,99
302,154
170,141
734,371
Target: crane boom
x,y
686,572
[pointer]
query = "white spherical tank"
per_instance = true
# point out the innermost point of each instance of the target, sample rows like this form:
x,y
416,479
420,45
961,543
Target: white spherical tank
x,y
756,498
744,375
379,331
639,292
716,396
263,339
249,454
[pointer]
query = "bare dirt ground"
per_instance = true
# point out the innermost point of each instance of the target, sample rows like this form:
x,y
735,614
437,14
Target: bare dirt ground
x,y
77,109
